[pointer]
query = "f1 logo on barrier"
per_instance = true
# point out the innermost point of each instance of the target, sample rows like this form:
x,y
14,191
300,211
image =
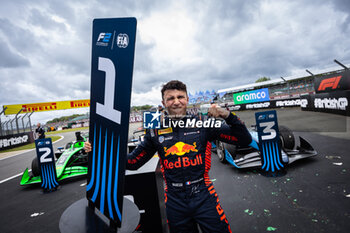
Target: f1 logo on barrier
x,y
47,166
329,83
268,136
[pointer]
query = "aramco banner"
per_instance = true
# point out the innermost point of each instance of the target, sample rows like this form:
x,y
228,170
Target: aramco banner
x,y
246,97
46,106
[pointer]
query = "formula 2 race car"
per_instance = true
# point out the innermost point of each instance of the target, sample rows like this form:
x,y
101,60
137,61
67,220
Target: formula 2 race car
x,y
72,161
250,157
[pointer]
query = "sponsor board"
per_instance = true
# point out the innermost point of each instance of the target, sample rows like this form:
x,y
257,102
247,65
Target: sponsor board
x,y
14,140
336,102
260,95
46,106
333,82
258,105
331,103
288,103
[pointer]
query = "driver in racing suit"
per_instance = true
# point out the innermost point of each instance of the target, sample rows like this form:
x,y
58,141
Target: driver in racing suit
x,y
185,157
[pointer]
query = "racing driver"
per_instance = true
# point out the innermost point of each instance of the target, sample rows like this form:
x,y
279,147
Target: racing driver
x,y
185,157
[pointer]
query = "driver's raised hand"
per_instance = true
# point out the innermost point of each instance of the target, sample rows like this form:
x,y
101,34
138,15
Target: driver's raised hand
x,y
87,147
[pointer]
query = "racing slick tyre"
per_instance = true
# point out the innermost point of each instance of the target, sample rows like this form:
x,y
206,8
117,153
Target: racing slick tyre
x,y
287,137
220,151
35,167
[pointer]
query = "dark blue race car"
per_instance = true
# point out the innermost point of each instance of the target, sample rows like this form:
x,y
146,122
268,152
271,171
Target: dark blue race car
x,y
250,157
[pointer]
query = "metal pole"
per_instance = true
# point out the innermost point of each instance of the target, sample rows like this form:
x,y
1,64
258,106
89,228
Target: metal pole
x,y
287,84
335,60
17,119
0,119
30,123
309,72
24,128
3,129
7,128
12,125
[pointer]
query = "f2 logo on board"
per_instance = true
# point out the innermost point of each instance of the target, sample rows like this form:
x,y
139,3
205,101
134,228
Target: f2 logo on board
x,y
107,110
269,132
104,36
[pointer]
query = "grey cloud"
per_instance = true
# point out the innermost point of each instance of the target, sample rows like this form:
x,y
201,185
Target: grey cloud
x,y
22,39
343,6
10,59
43,20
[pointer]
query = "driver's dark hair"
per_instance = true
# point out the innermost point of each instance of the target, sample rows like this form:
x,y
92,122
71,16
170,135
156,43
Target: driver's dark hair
x,y
174,85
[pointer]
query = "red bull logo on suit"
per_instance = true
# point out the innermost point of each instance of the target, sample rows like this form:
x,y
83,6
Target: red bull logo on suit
x,y
183,162
180,148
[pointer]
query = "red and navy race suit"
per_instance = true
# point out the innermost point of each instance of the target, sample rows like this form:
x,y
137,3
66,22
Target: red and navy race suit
x,y
185,156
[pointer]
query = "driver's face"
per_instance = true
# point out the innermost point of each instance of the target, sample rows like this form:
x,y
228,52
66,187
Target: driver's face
x,y
175,101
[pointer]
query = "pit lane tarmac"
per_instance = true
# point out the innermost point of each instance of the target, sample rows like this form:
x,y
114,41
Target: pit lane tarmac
x,y
313,196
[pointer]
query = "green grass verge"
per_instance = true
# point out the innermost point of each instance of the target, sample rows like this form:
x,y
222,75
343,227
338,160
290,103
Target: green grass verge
x,y
29,146
66,130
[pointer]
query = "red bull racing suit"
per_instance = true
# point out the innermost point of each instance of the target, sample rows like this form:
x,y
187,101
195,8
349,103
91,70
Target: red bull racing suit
x,y
185,157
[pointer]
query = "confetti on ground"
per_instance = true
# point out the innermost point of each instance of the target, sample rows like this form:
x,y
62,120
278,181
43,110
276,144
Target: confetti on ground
x,y
348,195
267,212
338,164
212,180
333,157
36,214
314,220
274,193
249,213
271,228
300,191
83,184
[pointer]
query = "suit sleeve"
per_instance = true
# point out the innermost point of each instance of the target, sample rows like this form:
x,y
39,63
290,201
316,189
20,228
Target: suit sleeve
x,y
233,132
141,154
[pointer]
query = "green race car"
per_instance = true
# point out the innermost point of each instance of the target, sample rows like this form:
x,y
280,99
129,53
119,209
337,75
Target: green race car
x,y
72,161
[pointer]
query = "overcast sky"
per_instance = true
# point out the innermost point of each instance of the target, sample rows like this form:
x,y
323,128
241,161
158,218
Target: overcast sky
x,y
45,46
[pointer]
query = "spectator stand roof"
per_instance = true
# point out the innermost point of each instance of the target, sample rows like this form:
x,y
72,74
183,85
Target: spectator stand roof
x,y
253,86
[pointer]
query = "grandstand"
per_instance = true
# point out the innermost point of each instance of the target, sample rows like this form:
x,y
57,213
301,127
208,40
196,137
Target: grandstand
x,y
281,88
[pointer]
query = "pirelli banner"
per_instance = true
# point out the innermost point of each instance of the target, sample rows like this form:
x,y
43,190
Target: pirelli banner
x,y
334,82
46,106
332,102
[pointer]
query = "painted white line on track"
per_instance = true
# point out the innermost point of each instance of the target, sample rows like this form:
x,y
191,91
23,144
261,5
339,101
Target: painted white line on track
x,y
10,156
12,177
